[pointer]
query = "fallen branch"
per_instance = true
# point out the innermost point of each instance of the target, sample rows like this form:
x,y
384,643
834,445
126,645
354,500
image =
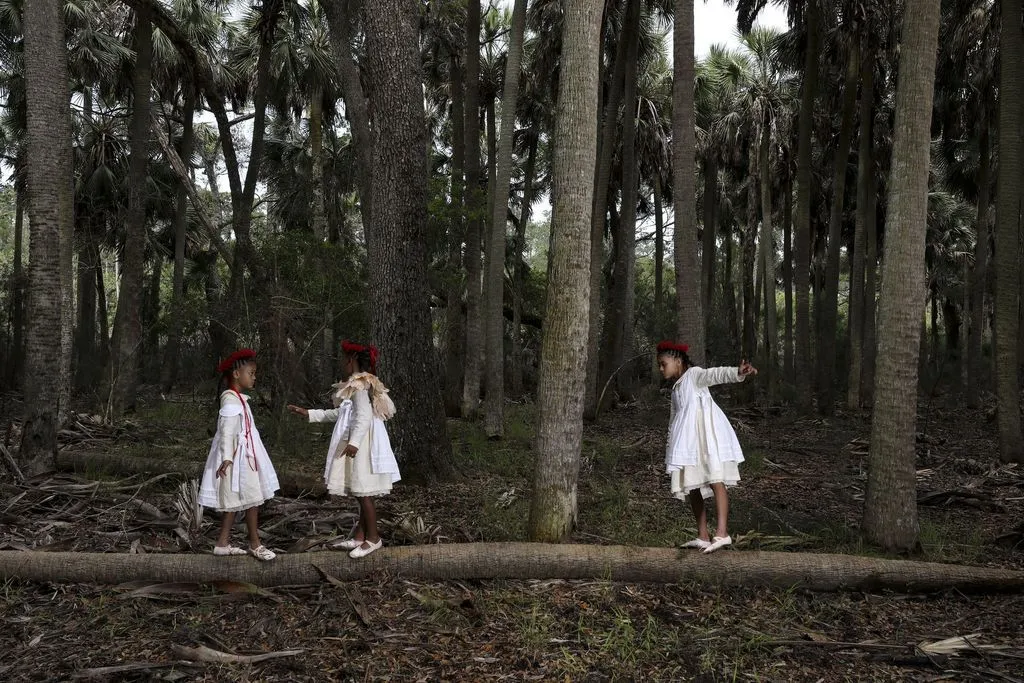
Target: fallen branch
x,y
206,654
12,465
107,671
819,572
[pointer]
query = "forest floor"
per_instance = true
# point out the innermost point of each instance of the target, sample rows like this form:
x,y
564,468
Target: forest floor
x,y
802,489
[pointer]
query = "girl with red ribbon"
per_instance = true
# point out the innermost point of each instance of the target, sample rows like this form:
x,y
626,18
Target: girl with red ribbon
x,y
702,454
360,461
238,475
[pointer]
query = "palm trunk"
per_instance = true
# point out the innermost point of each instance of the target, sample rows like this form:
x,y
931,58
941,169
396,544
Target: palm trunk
x,y
87,364
802,228
520,269
495,320
659,258
172,355
867,380
707,270
767,248
684,155
787,279
829,313
124,361
979,274
729,291
454,360
49,177
749,339
102,310
150,370
890,500
401,321
602,177
474,209
18,282
1007,251
865,221
560,392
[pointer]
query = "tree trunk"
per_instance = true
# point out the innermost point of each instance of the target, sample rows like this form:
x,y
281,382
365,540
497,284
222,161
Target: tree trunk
x,y
150,349
560,392
787,279
829,313
890,502
708,247
49,177
88,368
495,320
16,371
520,268
401,322
602,176
1007,234
867,380
659,258
684,155
523,561
124,361
729,291
767,260
173,351
454,320
979,274
865,221
474,212
749,341
802,227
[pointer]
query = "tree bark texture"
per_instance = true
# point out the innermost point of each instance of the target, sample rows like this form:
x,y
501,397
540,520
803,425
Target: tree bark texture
x,y
890,503
400,311
454,317
979,274
560,393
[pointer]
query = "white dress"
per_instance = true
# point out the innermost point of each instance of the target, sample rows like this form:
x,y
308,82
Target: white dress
x,y
251,479
359,422
702,446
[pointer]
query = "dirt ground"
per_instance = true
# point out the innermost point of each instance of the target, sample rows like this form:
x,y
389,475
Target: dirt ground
x,y
802,490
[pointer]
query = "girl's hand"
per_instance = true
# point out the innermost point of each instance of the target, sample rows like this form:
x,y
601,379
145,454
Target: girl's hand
x,y
350,451
746,369
299,411
222,471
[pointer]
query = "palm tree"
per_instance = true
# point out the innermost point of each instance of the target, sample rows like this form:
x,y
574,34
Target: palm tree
x,y
890,501
495,273
49,177
1007,236
560,394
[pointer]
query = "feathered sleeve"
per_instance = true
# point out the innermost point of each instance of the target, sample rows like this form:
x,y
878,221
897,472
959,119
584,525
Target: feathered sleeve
x,y
709,377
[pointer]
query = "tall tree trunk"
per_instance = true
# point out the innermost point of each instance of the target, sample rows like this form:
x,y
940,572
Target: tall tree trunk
x,y
829,313
49,177
865,221
890,501
560,391
124,361
520,268
979,274
18,281
787,279
474,212
602,176
659,258
1007,250
684,155
867,379
624,286
494,314
767,260
325,354
172,353
802,227
729,291
102,310
454,360
150,370
357,112
707,252
749,244
401,323
88,368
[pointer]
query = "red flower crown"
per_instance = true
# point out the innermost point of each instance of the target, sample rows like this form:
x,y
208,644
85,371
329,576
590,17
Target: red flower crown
x,y
672,346
351,348
228,364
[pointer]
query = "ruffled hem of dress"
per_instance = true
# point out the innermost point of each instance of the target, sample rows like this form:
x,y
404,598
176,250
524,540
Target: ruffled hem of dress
x,y
349,493
685,493
240,508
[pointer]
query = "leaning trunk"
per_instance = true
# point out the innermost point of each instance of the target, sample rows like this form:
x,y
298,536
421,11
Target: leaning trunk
x,y
890,501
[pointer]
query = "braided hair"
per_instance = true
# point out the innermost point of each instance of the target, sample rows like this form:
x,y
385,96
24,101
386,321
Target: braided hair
x,y
675,350
365,357
229,365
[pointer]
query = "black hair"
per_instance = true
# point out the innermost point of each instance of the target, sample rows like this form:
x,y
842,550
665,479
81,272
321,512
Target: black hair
x,y
676,353
224,383
364,361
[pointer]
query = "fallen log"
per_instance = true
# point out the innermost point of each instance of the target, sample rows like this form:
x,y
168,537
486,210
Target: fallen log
x,y
818,572
293,484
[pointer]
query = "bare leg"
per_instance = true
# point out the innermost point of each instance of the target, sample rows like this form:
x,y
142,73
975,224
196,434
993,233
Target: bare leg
x,y
700,513
252,524
368,520
721,510
227,521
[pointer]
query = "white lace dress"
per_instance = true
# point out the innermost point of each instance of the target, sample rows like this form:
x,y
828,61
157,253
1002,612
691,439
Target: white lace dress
x,y
251,479
702,446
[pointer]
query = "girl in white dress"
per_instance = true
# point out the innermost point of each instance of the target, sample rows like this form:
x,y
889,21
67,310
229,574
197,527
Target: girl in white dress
x,y
702,452
360,461
239,475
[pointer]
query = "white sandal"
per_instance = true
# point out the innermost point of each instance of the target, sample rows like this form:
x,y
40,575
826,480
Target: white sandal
x,y
698,543
263,553
363,552
226,550
345,544
718,542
